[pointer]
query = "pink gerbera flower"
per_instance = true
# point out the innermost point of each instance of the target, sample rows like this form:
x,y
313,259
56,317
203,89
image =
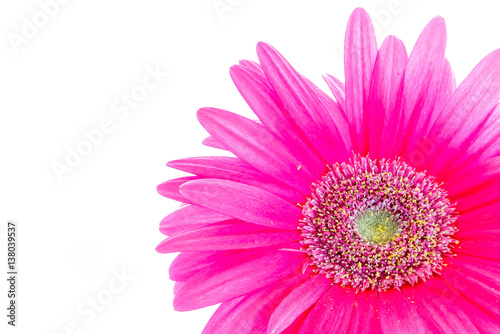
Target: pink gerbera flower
x,y
376,211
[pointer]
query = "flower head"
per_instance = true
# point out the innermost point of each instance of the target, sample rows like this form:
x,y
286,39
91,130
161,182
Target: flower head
x,y
375,211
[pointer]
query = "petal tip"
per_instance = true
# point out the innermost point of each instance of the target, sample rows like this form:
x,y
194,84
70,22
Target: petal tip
x,y
359,11
203,114
158,248
236,71
262,45
265,49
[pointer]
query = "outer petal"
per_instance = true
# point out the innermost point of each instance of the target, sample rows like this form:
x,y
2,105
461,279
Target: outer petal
x,y
447,86
186,264
360,52
170,189
338,90
478,280
235,169
338,116
478,176
264,102
484,246
222,282
244,202
297,302
385,97
252,65
250,314
297,324
392,319
465,114
252,142
437,312
261,97
188,218
486,146
331,313
421,87
482,196
227,235
419,151
211,142
177,286
475,221
481,231
365,316
310,113
481,319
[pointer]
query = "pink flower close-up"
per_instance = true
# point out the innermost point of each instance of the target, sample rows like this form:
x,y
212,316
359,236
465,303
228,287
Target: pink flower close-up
x,y
373,209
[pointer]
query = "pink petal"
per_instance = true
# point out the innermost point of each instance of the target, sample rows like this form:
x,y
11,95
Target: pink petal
x,y
186,264
250,314
333,109
477,280
397,314
253,66
338,90
465,114
170,189
211,142
475,220
476,198
243,202
264,102
421,87
222,281
385,97
365,316
188,218
281,121
487,144
479,151
331,313
234,169
177,286
225,236
297,324
484,322
478,234
297,302
438,314
421,149
230,312
447,86
485,247
310,113
482,174
488,272
252,143
360,52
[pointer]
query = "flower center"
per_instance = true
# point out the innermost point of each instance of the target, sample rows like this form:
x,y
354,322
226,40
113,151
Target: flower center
x,y
377,224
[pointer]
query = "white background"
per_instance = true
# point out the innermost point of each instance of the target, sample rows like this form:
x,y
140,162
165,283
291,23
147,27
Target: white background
x,y
103,216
